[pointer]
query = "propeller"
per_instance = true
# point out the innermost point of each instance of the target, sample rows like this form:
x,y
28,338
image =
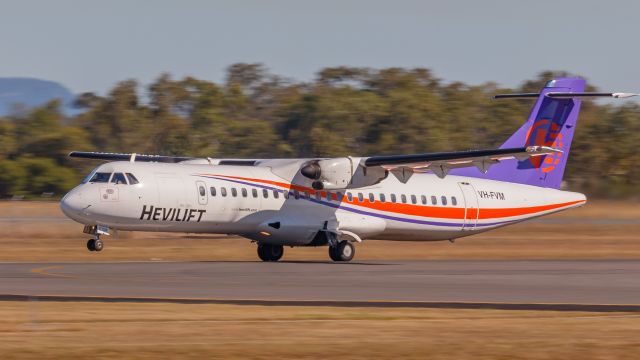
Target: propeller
x,y
313,171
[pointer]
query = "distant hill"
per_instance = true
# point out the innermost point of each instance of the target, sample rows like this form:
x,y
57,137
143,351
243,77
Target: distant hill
x,y
32,92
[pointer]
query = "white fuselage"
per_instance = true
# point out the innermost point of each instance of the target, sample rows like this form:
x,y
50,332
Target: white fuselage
x,y
257,203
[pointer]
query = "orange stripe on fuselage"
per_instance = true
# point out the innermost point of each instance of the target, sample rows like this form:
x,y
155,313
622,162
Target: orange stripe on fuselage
x,y
419,210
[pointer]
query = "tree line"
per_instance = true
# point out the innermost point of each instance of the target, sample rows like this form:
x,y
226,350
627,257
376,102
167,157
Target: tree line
x,y
343,111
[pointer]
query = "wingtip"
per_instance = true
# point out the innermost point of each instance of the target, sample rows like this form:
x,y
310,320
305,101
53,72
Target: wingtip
x,y
623,95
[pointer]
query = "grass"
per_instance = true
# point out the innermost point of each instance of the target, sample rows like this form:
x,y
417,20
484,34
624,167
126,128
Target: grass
x,y
570,235
53,330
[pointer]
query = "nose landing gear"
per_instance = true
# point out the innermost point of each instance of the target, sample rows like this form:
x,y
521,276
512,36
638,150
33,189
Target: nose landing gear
x,y
95,244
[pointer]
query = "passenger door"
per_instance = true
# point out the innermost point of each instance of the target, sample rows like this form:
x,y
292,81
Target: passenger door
x,y
472,210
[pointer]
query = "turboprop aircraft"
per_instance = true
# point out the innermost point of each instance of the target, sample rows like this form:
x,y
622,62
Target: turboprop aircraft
x,y
340,201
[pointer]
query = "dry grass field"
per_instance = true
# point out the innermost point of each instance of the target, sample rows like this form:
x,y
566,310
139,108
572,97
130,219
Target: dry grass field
x,y
38,231
52,330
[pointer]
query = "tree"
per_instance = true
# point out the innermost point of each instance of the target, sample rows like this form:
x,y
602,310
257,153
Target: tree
x,y
8,141
344,111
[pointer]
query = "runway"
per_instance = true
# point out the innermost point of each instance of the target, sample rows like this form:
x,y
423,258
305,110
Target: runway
x,y
612,285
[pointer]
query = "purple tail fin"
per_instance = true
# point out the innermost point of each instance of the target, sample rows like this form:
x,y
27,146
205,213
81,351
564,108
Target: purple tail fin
x,y
552,123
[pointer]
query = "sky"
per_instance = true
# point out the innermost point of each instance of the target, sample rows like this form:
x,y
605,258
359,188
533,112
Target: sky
x,y
90,45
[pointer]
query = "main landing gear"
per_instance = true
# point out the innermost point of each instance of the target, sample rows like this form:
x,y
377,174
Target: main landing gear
x,y
268,252
342,251
95,244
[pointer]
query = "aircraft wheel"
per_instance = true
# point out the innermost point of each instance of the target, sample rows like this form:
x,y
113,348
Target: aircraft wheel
x,y
333,253
91,245
262,254
98,245
343,252
268,252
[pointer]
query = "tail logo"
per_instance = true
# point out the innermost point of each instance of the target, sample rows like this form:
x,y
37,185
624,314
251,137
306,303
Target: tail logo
x,y
544,132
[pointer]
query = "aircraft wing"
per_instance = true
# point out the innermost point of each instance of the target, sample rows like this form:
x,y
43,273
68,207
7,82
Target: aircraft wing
x,y
441,163
130,157
159,158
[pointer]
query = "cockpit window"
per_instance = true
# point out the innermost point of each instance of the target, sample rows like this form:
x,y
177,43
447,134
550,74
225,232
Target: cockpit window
x,y
118,178
132,179
100,177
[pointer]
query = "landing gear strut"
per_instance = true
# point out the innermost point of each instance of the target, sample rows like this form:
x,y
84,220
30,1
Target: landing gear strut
x,y
95,244
268,252
343,251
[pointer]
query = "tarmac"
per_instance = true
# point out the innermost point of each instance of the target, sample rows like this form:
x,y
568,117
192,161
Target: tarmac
x,y
577,285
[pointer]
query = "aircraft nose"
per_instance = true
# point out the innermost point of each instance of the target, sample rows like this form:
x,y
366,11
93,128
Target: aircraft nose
x,y
72,204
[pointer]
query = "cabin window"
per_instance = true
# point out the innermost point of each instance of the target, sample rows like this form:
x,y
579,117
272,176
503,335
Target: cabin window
x,y
372,198
306,195
234,192
244,192
328,195
286,194
275,194
100,177
254,192
444,200
350,196
382,198
202,191
318,196
296,194
360,197
414,200
339,196
393,198
403,198
454,201
223,191
265,193
213,191
132,179
424,199
118,179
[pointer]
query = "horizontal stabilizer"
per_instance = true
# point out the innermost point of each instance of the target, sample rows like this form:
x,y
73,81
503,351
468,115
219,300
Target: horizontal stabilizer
x,y
566,95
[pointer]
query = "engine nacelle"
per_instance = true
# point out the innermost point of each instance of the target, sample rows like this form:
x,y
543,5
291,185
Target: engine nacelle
x,y
341,173
329,174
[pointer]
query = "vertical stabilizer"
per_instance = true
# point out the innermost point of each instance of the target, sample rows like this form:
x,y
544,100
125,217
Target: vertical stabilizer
x,y
552,122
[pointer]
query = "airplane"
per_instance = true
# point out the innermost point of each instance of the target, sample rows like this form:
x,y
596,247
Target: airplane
x,y
337,202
